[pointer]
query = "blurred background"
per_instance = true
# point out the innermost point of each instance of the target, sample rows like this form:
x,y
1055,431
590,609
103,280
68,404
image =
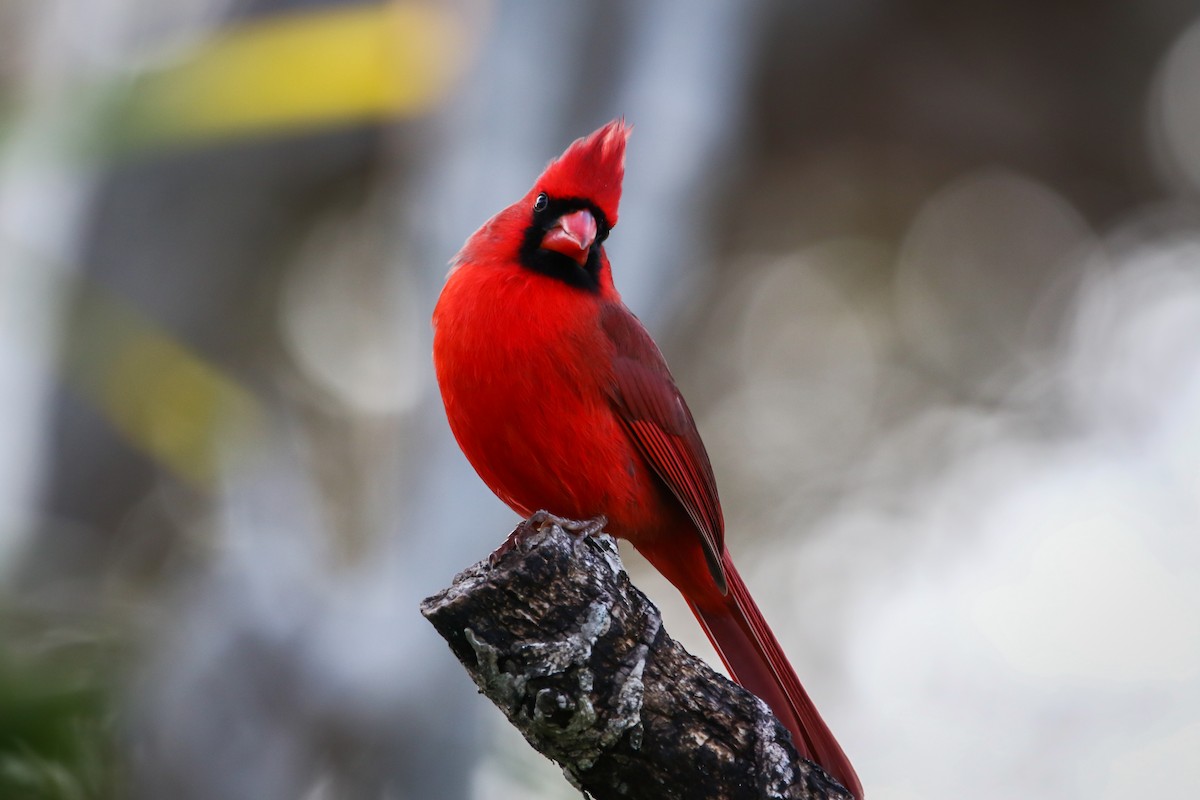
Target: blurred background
x,y
928,273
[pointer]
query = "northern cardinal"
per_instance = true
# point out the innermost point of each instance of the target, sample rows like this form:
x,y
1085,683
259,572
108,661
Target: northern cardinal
x,y
561,401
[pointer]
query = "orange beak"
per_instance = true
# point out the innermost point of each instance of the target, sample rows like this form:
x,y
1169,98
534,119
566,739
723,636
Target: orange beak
x,y
572,235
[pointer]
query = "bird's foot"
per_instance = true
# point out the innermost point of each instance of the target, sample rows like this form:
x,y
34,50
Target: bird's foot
x,y
541,520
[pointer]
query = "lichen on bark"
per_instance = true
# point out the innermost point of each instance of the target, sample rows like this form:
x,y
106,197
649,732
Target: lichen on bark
x,y
556,635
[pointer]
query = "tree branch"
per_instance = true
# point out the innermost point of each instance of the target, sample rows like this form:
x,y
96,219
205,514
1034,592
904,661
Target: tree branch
x,y
577,659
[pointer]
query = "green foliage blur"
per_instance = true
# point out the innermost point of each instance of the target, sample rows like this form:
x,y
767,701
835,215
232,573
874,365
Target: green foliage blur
x,y
57,725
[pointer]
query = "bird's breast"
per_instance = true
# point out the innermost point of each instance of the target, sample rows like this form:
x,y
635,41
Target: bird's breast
x,y
524,368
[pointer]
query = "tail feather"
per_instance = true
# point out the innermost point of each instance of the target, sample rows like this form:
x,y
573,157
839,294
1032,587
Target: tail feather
x,y
754,658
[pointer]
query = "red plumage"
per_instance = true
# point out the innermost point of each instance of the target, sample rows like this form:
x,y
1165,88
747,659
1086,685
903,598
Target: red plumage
x,y
561,401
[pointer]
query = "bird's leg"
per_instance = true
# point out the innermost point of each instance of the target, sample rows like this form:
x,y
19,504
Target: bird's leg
x,y
540,520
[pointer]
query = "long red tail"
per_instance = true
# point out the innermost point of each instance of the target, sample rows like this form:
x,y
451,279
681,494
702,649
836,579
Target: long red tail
x,y
756,661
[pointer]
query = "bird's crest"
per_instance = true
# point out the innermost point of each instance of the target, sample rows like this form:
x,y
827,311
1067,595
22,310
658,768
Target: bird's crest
x,y
590,169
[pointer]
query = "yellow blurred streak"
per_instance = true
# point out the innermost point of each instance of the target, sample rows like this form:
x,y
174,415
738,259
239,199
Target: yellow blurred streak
x,y
163,398
301,69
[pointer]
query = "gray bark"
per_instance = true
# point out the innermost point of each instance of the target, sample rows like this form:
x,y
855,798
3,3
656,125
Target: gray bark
x,y
576,657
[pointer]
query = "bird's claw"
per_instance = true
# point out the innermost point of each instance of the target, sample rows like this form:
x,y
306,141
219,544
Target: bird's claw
x,y
541,520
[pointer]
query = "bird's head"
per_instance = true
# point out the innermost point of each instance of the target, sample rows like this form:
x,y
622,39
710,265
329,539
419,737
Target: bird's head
x,y
558,228
573,205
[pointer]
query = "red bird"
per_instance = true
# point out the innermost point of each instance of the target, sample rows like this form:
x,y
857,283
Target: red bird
x,y
561,401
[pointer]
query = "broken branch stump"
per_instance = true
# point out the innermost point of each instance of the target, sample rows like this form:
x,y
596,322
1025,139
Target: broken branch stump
x,y
576,657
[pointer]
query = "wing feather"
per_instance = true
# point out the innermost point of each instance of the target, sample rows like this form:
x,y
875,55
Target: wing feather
x,y
654,413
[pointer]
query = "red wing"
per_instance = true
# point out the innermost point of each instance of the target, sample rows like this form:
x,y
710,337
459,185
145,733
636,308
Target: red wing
x,y
659,422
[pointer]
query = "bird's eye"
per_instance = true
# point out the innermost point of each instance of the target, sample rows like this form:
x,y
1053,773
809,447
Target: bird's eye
x,y
541,202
